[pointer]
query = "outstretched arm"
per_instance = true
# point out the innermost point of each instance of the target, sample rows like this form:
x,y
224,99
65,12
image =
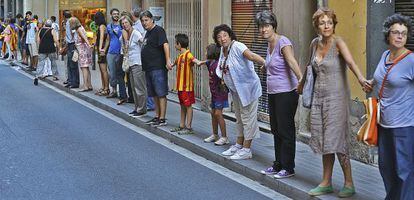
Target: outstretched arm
x,y
253,57
346,54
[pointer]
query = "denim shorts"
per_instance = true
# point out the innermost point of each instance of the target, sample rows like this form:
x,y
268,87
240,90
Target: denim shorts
x,y
157,83
219,104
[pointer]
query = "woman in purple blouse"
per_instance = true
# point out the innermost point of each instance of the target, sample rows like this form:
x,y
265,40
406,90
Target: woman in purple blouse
x,y
283,73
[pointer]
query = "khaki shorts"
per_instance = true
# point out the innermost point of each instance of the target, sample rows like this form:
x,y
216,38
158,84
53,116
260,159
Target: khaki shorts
x,y
33,49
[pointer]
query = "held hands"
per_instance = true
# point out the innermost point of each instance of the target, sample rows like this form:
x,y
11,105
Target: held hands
x,y
169,65
299,88
368,86
263,69
102,52
199,63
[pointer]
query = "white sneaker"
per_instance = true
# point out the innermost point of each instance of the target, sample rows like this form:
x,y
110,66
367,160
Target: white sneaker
x,y
242,154
231,151
211,138
222,141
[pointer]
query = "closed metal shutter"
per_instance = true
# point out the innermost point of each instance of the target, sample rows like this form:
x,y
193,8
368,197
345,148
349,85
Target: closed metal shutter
x,y
242,19
406,7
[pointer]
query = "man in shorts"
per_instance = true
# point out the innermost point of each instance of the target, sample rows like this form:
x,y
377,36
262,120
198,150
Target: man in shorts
x,y
155,56
31,40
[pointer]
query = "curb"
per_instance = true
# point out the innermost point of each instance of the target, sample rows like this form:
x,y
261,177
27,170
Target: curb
x,y
276,184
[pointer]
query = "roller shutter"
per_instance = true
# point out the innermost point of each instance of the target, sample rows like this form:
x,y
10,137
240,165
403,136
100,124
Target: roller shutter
x,y
406,7
242,18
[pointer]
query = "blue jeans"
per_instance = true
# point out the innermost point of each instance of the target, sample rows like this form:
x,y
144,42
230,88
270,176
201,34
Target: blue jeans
x,y
150,103
396,161
73,69
116,74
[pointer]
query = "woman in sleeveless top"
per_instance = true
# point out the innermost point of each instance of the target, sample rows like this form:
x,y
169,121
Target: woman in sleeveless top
x,y
84,52
101,39
48,41
330,105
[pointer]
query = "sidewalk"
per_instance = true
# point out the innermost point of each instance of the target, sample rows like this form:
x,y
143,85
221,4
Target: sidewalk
x,y
368,182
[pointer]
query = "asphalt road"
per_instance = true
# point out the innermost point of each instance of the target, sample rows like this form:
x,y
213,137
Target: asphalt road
x,y
52,147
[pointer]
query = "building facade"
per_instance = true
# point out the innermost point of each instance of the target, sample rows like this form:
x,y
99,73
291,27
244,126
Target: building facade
x,y
360,25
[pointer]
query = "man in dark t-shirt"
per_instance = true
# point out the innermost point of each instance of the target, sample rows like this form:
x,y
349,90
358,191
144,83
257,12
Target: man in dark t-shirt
x,y
155,58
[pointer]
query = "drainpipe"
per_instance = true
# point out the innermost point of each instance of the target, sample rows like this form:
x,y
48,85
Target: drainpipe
x,y
322,3
46,9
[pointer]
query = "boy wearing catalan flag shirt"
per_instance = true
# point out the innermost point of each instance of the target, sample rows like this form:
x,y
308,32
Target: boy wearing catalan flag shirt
x,y
185,83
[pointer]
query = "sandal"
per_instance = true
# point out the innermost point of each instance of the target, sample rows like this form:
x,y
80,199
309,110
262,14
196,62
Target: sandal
x,y
122,101
55,78
99,91
104,92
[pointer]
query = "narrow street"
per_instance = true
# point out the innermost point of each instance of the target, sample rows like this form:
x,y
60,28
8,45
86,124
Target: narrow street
x,y
52,147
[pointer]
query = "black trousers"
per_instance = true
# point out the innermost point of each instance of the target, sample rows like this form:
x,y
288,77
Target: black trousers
x,y
73,69
282,109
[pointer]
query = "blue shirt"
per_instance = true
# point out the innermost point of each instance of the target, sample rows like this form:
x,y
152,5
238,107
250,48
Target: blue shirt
x,y
69,38
115,33
397,102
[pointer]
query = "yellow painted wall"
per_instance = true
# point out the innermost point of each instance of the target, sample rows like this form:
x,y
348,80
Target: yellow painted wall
x,y
352,21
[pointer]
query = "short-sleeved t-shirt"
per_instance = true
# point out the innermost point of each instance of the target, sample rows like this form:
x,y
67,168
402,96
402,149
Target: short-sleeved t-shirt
x,y
184,64
31,33
115,33
152,54
214,81
280,78
397,102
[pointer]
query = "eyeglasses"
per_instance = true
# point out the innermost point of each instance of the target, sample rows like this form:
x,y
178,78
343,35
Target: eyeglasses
x,y
329,23
397,33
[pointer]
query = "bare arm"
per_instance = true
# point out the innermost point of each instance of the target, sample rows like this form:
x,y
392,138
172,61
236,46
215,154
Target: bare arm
x,y
299,89
107,43
253,57
102,30
167,56
83,36
38,37
55,38
288,54
346,54
198,62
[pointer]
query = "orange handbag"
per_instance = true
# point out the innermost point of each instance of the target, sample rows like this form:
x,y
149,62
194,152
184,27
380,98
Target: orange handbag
x,y
368,133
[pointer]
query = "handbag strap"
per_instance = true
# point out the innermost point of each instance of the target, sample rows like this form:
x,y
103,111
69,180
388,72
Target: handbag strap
x,y
395,62
223,66
44,34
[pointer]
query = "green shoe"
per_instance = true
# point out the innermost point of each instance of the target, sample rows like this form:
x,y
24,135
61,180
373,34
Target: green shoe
x,y
320,190
346,192
176,129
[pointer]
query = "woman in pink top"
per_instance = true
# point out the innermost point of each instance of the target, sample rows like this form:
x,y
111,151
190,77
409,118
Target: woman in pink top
x,y
283,73
84,52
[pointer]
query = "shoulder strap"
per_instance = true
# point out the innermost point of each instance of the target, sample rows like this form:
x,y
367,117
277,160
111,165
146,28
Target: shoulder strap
x,y
314,45
112,28
395,62
44,34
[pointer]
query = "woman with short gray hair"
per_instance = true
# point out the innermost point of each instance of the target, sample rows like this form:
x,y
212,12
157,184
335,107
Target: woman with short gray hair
x,y
283,73
48,41
396,126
